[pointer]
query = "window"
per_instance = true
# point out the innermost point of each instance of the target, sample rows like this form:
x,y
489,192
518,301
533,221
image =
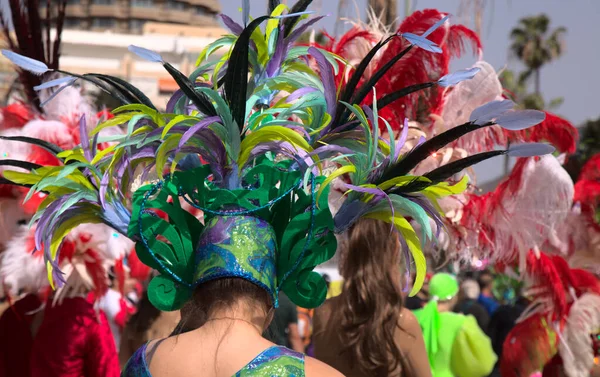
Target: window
x,y
103,2
103,22
202,11
136,25
142,3
175,5
72,23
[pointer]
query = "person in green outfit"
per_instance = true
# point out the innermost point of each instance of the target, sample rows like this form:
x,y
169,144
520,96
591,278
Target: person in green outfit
x,y
455,344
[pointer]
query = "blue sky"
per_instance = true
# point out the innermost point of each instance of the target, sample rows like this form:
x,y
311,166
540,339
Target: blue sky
x,y
574,76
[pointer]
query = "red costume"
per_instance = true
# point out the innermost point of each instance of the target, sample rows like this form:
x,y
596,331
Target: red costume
x,y
74,341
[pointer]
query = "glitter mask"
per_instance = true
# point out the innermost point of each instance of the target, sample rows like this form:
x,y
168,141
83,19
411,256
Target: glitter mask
x,y
237,247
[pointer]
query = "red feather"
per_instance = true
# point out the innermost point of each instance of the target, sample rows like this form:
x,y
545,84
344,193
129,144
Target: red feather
x,y
460,39
591,169
527,348
15,115
137,270
420,66
557,131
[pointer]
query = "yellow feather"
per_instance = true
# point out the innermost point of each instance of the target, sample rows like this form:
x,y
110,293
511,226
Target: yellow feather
x,y
272,24
414,245
341,171
267,134
401,181
443,189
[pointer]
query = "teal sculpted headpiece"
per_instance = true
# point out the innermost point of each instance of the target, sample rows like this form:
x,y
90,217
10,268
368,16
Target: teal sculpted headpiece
x,y
246,140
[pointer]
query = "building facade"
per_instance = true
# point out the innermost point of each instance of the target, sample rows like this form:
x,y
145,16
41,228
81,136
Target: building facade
x,y
174,31
130,16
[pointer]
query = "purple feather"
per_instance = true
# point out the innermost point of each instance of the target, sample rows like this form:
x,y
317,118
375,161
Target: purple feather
x,y
173,101
204,123
326,150
299,129
400,143
233,26
85,138
282,147
430,210
369,114
274,64
94,147
349,212
326,72
299,93
520,119
300,30
103,189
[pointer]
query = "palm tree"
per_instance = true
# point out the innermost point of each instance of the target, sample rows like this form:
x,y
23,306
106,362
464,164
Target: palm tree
x,y
535,45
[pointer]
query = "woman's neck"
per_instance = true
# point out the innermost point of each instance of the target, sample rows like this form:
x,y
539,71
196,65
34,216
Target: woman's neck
x,y
226,319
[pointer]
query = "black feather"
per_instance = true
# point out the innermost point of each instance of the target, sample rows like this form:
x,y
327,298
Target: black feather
x,y
4,181
360,70
368,86
427,148
20,164
52,148
273,4
394,96
444,172
127,87
199,99
288,24
236,76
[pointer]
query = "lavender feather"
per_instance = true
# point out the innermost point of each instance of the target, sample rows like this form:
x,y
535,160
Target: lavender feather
x,y
530,150
327,78
30,65
520,119
233,26
490,111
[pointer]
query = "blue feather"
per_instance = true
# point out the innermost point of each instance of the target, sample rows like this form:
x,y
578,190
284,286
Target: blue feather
x,y
458,76
52,83
28,64
435,26
246,12
422,42
146,54
490,111
520,120
530,149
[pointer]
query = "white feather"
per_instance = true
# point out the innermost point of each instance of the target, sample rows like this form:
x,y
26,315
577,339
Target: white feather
x,y
576,349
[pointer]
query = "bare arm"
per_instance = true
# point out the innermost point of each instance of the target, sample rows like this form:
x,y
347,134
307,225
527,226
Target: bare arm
x,y
412,345
294,338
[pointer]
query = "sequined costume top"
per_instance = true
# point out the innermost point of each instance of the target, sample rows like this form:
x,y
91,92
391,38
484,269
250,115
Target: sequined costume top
x,y
274,361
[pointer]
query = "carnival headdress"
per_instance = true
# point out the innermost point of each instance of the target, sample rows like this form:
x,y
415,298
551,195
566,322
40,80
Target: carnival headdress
x,y
249,139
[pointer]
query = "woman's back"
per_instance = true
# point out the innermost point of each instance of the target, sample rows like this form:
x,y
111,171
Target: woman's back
x,y
329,345
221,349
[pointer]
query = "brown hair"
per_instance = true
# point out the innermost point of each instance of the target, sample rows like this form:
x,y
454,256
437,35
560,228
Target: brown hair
x,y
372,298
217,294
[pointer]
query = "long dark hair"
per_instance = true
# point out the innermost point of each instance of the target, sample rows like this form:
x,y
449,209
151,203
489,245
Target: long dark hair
x,y
216,294
372,299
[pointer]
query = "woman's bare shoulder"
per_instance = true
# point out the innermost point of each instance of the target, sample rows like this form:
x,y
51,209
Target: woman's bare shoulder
x,y
316,368
409,323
